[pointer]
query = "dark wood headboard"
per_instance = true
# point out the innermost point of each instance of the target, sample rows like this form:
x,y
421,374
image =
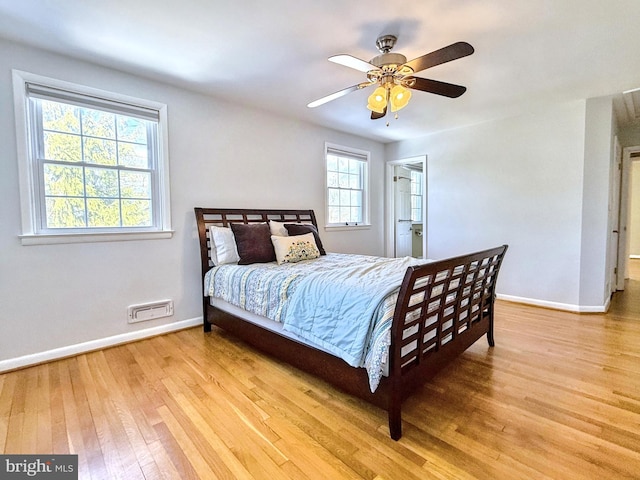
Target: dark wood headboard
x,y
222,217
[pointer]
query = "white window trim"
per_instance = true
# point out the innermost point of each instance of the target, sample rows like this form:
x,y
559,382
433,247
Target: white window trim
x,y
26,182
365,224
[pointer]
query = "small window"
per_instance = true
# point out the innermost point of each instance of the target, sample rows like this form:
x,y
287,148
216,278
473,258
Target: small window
x,y
347,186
416,196
92,162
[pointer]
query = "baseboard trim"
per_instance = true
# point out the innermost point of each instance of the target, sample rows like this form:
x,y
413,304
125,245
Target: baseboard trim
x,y
71,350
555,305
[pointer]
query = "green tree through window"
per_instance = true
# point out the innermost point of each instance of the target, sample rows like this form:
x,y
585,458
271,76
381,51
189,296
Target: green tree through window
x,y
96,167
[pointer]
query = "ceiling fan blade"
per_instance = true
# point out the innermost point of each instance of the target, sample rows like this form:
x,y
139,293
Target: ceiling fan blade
x,y
444,55
434,86
338,94
353,62
376,115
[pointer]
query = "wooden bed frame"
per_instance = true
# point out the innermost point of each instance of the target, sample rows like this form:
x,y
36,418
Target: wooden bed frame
x,y
443,308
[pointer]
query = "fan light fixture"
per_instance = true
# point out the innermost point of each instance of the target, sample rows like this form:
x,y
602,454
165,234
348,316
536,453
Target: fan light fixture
x,y
397,96
377,101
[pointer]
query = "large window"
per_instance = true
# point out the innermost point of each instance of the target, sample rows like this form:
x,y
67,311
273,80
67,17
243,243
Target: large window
x,y
347,186
91,162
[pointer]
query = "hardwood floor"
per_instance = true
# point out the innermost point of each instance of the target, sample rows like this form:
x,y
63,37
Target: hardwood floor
x,y
557,398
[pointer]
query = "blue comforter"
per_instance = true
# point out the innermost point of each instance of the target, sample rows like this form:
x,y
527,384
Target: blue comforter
x,y
336,309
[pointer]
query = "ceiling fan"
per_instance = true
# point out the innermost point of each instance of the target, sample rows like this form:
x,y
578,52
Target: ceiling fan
x,y
395,76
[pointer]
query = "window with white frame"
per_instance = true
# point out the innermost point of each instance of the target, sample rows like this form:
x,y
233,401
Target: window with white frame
x,y
347,186
91,162
416,196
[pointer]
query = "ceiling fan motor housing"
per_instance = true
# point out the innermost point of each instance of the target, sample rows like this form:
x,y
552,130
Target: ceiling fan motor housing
x,y
395,59
386,42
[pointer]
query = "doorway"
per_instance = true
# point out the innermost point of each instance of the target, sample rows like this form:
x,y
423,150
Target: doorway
x,y
406,207
629,213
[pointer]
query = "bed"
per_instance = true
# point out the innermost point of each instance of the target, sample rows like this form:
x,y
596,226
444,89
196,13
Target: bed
x,y
426,313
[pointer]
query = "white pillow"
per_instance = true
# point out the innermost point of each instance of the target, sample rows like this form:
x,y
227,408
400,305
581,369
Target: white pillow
x,y
223,246
278,229
294,249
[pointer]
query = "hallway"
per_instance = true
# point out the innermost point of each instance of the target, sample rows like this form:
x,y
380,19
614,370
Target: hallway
x,y
626,304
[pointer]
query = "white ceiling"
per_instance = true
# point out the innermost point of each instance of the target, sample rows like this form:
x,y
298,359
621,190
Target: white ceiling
x,y
273,54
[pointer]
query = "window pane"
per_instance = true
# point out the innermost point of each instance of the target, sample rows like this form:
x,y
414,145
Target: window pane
x,y
133,155
355,214
334,196
334,214
63,180
345,214
102,182
345,198
100,151
98,124
343,164
62,146
343,180
356,198
332,179
354,181
135,185
60,117
354,167
136,213
65,212
332,163
103,212
131,129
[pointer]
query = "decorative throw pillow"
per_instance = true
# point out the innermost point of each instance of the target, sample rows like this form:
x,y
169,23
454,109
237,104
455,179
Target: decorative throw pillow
x,y
277,228
295,249
223,245
253,242
303,228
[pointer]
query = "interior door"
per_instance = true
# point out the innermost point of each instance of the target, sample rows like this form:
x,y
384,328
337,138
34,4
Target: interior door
x,y
614,215
404,241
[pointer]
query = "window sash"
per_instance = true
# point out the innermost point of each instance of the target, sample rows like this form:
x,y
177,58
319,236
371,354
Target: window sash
x,y
83,220
346,198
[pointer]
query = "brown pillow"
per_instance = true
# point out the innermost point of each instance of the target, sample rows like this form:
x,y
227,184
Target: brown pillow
x,y
302,228
254,243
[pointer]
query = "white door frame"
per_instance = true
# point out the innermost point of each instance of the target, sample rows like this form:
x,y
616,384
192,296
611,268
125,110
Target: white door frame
x,y
390,204
615,188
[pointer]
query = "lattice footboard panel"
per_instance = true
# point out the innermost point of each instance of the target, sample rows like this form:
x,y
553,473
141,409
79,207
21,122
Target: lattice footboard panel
x,y
442,301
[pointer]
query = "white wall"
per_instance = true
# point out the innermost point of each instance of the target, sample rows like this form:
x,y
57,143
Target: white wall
x,y
596,224
221,155
517,181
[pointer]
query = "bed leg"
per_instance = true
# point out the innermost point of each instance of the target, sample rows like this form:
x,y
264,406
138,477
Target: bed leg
x,y
490,338
206,326
395,417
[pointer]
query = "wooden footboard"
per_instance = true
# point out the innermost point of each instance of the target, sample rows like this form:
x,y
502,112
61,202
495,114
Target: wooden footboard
x,y
443,307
